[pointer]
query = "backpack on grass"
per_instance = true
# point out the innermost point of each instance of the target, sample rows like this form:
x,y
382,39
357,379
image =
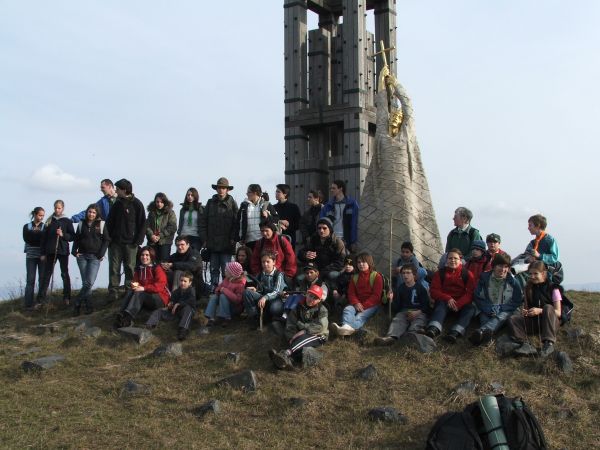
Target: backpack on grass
x,y
465,430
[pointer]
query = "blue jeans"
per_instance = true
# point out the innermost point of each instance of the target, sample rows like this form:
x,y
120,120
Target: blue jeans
x,y
493,323
32,265
218,306
218,260
357,319
89,265
441,311
273,308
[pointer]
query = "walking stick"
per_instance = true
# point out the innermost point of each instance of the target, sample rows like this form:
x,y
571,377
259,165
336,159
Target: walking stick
x,y
260,323
390,278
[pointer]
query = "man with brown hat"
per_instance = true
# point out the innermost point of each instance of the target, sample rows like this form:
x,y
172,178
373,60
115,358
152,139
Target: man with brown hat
x,y
218,230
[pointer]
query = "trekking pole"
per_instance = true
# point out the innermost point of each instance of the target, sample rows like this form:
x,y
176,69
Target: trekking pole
x,y
390,265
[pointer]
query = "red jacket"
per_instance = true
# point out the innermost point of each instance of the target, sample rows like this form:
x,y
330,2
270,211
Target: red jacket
x,y
453,287
154,280
234,291
286,258
362,292
477,267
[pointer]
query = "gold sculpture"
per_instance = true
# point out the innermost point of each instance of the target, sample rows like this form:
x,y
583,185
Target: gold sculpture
x,y
388,82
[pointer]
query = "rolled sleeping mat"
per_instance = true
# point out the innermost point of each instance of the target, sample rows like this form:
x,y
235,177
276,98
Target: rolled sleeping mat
x,y
492,422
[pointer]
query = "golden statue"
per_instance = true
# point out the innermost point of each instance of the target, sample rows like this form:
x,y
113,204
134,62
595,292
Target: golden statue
x,y
387,82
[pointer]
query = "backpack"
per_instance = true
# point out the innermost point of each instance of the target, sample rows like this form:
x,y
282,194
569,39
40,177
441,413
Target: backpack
x,y
465,430
464,275
566,307
372,276
102,223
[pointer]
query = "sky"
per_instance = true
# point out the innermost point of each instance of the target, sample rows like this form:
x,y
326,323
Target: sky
x,y
176,94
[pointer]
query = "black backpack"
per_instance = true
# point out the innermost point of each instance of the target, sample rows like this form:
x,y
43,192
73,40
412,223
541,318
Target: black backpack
x,y
464,430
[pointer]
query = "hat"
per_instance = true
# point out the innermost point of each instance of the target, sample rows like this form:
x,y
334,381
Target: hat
x,y
327,221
310,266
234,268
124,185
222,182
493,237
316,290
478,244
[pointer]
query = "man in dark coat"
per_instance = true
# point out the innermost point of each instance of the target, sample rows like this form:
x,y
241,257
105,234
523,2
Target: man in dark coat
x,y
185,259
325,250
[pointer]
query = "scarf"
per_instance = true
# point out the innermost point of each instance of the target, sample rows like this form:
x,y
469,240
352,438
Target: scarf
x,y
537,240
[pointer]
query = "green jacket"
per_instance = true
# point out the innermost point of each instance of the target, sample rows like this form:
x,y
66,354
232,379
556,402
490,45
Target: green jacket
x,y
462,240
312,320
164,224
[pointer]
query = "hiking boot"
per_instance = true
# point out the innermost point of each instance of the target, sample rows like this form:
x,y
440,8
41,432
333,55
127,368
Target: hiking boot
x,y
384,341
432,332
452,337
547,349
282,360
476,337
210,323
182,333
76,309
87,308
487,336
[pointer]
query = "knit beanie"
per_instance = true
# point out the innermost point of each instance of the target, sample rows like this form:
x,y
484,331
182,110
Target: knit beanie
x,y
234,268
479,244
326,221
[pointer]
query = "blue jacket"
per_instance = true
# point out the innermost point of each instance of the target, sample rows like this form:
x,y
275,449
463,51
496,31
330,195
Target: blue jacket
x,y
511,299
104,205
349,220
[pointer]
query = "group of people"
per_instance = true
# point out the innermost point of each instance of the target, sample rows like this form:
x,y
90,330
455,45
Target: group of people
x,y
258,268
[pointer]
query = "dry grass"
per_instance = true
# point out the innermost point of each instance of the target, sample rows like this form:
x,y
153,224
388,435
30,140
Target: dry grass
x,y
78,404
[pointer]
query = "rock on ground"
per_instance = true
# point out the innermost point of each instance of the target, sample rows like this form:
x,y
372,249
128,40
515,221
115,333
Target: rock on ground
x,y
173,349
387,414
419,342
367,373
212,406
37,365
132,389
244,381
311,357
140,335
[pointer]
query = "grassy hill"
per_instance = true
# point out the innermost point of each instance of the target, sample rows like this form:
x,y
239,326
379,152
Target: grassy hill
x,y
79,403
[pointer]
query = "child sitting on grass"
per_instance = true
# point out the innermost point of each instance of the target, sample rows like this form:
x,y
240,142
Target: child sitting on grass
x,y
410,306
306,326
228,299
182,305
267,295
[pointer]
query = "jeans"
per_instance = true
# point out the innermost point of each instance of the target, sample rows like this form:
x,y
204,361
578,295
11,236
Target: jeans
x,y
350,316
493,323
89,265
217,266
163,251
139,300
400,324
125,254
273,308
196,242
32,265
441,311
218,306
63,261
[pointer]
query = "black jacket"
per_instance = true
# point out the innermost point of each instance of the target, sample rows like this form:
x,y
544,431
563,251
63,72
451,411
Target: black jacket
x,y
48,243
308,222
189,261
126,222
92,239
330,253
290,212
184,297
217,227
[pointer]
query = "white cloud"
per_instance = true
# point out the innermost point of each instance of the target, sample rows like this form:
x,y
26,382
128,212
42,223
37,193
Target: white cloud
x,y
506,210
53,178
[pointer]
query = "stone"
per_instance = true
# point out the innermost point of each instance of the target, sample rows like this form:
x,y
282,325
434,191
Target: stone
x,y
132,389
83,326
244,381
387,414
93,332
212,406
465,388
505,346
419,342
367,373
203,331
563,362
140,335
296,402
311,357
28,351
173,349
228,338
497,387
45,363
232,357
50,328
526,349
575,333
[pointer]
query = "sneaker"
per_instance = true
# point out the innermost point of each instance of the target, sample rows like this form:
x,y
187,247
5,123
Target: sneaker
x,y
476,337
77,309
384,341
182,333
432,332
547,349
452,337
345,330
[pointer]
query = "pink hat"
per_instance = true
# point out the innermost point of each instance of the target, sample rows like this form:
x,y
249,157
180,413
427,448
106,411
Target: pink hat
x,y
234,268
